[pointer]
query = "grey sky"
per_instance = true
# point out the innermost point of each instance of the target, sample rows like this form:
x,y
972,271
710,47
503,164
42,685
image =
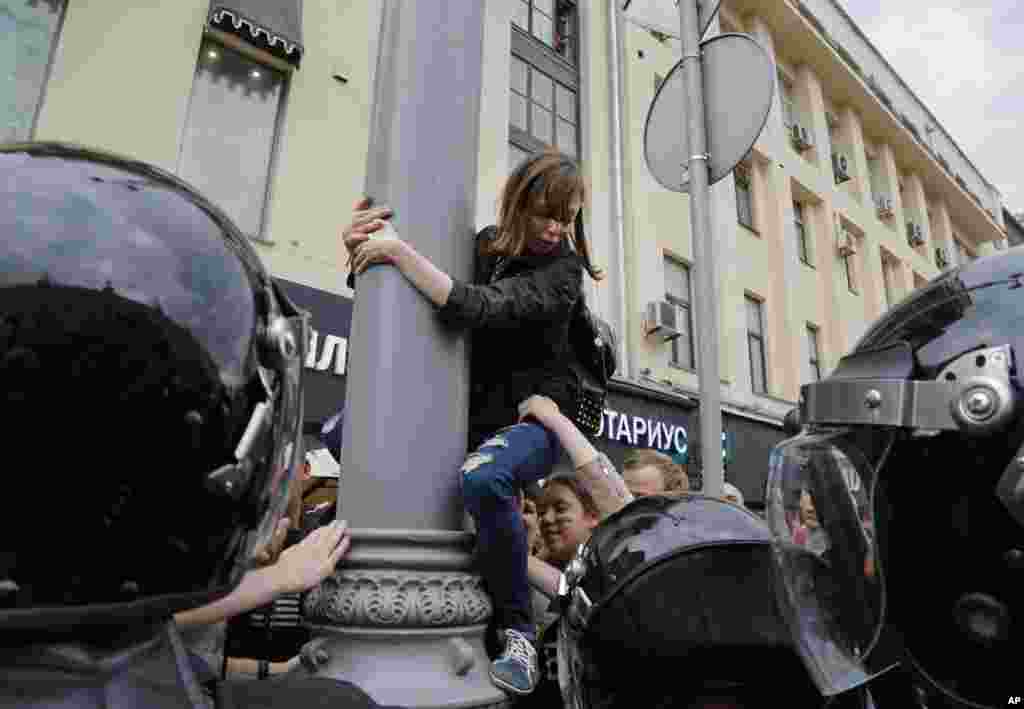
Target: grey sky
x,y
966,62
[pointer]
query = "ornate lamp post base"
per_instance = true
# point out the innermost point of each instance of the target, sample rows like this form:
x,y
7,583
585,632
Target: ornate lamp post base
x,y
405,621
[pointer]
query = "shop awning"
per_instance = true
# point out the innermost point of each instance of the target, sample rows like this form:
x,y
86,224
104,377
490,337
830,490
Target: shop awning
x,y
274,26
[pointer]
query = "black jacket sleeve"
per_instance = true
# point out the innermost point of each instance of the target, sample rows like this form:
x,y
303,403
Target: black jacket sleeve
x,y
546,293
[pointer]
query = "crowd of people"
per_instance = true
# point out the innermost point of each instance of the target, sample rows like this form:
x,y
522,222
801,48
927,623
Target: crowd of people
x,y
127,296
534,485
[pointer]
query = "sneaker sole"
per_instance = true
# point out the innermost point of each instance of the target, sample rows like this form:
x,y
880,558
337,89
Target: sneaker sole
x,y
502,684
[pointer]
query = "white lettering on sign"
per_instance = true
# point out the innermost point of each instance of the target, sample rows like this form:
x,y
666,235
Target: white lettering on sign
x,y
624,430
639,427
640,431
334,350
653,434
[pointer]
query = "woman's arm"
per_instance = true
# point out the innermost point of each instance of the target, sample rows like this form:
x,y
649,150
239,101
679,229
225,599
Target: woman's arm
x,y
258,588
595,471
299,568
546,293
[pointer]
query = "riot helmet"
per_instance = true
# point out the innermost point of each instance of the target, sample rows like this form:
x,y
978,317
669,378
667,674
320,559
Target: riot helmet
x,y
677,601
908,482
149,379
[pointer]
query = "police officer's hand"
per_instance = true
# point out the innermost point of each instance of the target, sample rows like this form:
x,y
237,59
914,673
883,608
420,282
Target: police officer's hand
x,y
365,221
313,559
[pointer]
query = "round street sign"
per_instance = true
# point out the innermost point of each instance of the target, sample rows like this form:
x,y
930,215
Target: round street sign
x,y
663,15
739,81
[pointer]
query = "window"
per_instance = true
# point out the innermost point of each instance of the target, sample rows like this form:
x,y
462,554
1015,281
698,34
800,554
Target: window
x,y
744,196
515,156
813,355
786,99
544,102
851,283
231,132
800,230
755,344
29,31
887,280
553,22
679,293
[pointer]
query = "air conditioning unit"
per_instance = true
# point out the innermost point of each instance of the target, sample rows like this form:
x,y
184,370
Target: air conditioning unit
x,y
662,320
846,241
885,208
800,136
941,257
841,167
915,234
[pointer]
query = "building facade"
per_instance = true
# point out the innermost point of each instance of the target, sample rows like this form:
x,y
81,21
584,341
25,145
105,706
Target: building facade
x,y
853,196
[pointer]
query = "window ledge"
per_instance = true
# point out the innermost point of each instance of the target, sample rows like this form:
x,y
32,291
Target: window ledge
x,y
681,368
774,399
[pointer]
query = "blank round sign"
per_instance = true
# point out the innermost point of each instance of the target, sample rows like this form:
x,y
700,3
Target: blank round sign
x,y
739,82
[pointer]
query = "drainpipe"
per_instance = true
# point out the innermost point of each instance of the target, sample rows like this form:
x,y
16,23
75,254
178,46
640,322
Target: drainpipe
x,y
627,353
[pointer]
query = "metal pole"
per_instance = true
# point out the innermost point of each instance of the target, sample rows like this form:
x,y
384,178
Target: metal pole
x,y
704,253
404,615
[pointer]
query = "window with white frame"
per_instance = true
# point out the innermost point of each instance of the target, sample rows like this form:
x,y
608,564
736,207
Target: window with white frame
x,y
544,105
756,345
800,232
850,270
679,292
889,265
29,30
813,355
231,132
744,195
787,101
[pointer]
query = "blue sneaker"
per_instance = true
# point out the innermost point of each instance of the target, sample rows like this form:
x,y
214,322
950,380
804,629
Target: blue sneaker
x,y
515,670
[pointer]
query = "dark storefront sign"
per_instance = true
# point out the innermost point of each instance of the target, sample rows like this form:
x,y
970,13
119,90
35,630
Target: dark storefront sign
x,y
753,442
327,353
640,418
637,418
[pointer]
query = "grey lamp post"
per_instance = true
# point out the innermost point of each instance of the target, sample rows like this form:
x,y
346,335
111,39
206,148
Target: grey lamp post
x,y
403,616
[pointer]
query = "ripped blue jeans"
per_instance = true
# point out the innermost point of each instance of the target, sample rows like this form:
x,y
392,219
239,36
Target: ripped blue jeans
x,y
492,478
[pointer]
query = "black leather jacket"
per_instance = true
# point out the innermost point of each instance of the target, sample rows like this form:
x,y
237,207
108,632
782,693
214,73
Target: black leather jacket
x,y
520,325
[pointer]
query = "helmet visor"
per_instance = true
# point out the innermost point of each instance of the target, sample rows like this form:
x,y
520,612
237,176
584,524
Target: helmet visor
x,y
818,506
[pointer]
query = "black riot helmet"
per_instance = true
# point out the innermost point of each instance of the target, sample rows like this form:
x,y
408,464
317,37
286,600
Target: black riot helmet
x,y
677,602
149,383
909,482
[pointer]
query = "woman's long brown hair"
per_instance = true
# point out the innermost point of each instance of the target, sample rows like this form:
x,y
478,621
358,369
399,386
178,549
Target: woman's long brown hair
x,y
544,184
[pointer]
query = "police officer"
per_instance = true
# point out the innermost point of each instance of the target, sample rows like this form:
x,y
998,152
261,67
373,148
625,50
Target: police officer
x,y
681,602
911,471
149,380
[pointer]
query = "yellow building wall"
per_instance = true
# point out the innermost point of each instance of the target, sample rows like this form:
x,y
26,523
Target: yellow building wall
x,y
122,76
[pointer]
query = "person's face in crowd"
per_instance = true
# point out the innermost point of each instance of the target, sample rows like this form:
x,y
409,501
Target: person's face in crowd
x,y
644,480
546,230
564,523
808,515
532,521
